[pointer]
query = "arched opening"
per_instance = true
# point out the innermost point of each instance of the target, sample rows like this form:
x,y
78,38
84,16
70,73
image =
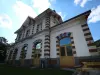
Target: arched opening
x,y
37,49
65,47
38,45
23,53
9,57
15,55
36,52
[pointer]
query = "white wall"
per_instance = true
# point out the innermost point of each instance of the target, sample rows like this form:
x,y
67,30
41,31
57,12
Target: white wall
x,y
43,23
78,36
53,21
30,41
30,44
41,20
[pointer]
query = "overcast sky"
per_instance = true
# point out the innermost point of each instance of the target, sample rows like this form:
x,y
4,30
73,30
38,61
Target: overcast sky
x,y
14,12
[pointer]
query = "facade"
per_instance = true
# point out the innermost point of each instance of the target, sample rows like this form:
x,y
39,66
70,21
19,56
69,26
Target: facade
x,y
47,41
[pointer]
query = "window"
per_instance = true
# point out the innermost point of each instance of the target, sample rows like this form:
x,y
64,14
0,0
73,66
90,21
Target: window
x,y
10,54
69,51
39,27
65,41
62,49
65,47
15,54
19,36
33,29
37,50
38,46
24,51
27,33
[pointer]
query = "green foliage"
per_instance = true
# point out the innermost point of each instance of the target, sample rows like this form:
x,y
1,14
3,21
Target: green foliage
x,y
3,49
4,40
97,43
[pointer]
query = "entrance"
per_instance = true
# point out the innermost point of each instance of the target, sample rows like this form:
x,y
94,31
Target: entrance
x,y
66,55
23,54
21,61
42,64
37,51
36,60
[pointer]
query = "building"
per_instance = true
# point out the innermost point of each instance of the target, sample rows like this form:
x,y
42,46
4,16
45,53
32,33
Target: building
x,y
47,41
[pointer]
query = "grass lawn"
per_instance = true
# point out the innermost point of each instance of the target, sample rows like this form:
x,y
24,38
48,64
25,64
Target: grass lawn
x,y
5,70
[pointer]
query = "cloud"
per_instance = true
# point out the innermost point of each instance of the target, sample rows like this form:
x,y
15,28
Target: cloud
x,y
95,15
77,2
5,21
62,15
81,2
52,1
41,5
12,39
23,10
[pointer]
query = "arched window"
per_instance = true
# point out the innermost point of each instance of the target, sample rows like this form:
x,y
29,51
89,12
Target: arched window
x,y
38,46
10,54
15,53
24,50
65,47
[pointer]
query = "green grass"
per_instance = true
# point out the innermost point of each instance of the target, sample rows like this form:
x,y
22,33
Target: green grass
x,y
5,70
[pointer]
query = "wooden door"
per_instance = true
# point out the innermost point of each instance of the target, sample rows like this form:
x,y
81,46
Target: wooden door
x,y
65,60
36,60
22,61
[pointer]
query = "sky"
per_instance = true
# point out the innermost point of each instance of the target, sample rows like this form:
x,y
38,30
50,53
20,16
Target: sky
x,y
14,12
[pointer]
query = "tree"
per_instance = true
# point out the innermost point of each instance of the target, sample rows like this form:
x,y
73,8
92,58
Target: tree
x,y
3,48
3,40
97,43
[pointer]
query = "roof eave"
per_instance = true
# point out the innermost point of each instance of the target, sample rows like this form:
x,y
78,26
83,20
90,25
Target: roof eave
x,y
87,13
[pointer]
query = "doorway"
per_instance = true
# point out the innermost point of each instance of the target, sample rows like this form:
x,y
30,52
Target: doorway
x,y
37,51
66,55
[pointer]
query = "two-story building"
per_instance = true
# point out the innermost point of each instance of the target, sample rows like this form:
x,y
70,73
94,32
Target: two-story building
x,y
47,41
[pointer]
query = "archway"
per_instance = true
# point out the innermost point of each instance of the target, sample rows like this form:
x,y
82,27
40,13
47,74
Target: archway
x,y
9,57
15,55
36,52
23,53
65,49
